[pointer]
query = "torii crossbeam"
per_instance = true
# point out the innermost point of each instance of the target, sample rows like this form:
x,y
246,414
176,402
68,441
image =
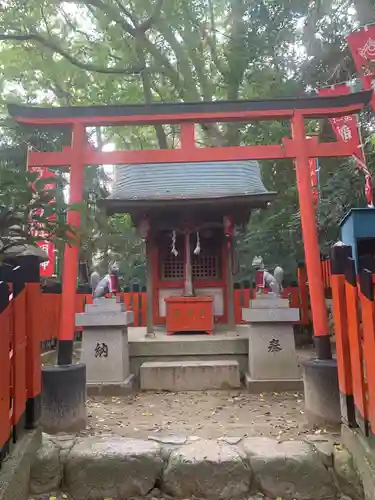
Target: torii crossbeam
x,y
298,148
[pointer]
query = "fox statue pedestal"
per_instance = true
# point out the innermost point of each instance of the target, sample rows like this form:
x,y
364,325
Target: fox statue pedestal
x,y
273,363
105,349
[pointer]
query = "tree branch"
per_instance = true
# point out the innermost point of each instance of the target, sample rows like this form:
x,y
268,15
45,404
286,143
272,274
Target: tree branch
x,y
50,44
147,92
145,25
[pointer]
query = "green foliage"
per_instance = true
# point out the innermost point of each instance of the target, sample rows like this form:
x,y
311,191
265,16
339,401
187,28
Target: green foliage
x,y
26,206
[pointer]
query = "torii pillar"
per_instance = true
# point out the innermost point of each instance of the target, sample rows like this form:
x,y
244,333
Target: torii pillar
x,y
64,385
322,403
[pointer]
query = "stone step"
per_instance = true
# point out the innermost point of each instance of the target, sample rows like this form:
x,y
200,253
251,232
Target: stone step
x,y
189,375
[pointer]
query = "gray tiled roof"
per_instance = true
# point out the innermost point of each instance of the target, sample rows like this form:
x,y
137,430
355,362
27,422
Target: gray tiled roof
x,y
187,180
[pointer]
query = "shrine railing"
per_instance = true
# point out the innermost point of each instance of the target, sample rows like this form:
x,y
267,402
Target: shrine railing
x,y
354,319
20,369
326,274
136,301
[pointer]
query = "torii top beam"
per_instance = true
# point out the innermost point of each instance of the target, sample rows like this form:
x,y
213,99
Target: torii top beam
x,y
188,114
198,112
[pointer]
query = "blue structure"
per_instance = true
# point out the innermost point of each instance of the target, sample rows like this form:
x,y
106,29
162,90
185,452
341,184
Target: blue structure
x,y
357,229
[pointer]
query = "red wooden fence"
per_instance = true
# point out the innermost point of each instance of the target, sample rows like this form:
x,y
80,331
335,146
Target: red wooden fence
x,y
354,316
136,301
20,368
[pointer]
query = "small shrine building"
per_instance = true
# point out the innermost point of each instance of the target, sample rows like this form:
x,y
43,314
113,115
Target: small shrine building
x,y
188,214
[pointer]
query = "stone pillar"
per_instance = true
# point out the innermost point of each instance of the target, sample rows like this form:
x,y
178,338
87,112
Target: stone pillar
x,y
105,349
273,363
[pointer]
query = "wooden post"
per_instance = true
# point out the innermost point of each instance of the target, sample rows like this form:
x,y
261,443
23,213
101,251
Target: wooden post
x,y
339,257
150,286
230,286
355,346
71,252
188,283
303,294
310,240
368,328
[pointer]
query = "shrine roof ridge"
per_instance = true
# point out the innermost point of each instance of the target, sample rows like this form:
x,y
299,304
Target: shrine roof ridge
x,y
182,109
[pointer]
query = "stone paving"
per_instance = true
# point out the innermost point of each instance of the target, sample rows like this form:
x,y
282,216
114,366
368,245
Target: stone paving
x,y
189,467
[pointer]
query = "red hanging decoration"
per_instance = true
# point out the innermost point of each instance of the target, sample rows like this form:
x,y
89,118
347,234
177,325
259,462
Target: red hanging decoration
x,y
346,129
47,268
228,226
313,163
362,47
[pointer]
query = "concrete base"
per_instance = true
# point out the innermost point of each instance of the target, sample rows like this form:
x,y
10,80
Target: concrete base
x,y
322,398
264,386
105,341
189,375
363,458
272,352
63,398
112,389
106,355
15,470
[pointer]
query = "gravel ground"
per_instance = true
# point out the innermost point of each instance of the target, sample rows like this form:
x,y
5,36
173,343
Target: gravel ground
x,y
209,414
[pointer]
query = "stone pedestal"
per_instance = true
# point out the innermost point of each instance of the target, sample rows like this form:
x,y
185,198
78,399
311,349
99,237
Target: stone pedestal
x,y
273,363
105,349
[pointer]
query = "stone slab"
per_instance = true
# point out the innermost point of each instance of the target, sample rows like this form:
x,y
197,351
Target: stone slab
x,y
363,458
289,470
94,308
272,352
273,315
189,375
104,318
105,352
112,467
115,389
15,470
207,469
264,386
227,468
269,302
110,301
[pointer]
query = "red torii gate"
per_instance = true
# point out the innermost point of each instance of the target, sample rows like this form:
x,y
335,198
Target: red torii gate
x,y
298,148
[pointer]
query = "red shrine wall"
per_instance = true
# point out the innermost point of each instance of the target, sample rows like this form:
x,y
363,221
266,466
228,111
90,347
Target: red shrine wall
x,y
208,270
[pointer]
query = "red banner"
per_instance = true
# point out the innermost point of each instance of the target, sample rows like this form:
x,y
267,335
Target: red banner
x,y
313,163
362,46
46,268
346,129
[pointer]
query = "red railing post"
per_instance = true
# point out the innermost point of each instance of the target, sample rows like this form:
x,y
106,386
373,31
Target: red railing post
x,y
303,293
368,328
355,343
19,351
31,268
339,256
5,431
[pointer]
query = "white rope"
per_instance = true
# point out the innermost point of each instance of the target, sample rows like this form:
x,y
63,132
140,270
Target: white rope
x,y
197,250
174,250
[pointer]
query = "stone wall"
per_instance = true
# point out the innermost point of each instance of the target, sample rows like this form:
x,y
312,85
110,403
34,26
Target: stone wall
x,y
15,469
181,467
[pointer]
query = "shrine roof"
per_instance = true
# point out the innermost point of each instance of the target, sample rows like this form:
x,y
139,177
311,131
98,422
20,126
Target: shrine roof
x,y
136,184
198,111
